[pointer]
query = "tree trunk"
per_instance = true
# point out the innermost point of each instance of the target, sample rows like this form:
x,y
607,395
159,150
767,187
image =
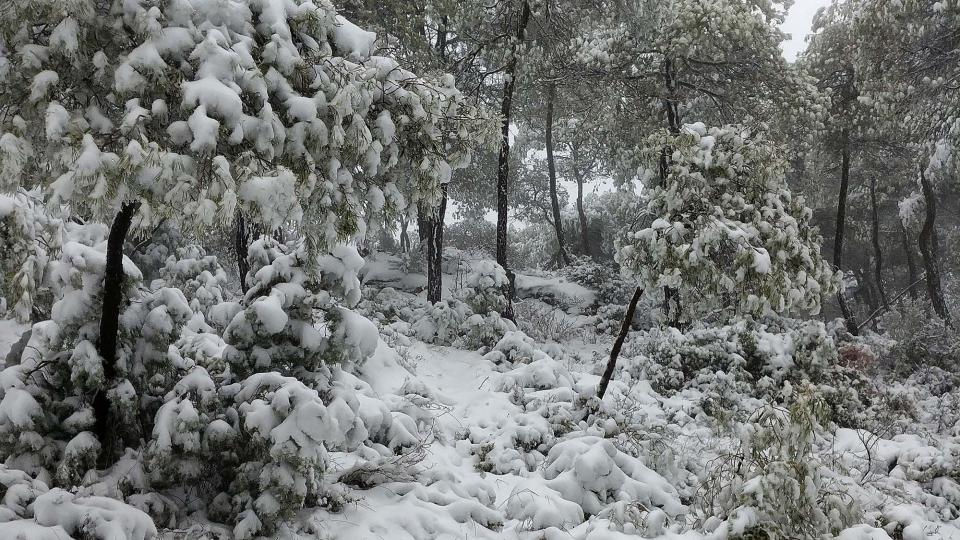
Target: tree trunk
x,y
911,263
106,427
877,252
404,237
241,244
430,224
503,159
618,344
841,224
582,216
552,171
928,250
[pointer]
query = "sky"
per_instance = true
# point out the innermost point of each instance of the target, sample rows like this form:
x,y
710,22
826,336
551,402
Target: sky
x,y
798,23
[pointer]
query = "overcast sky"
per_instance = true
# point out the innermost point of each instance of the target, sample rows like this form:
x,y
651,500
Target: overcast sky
x,y
798,25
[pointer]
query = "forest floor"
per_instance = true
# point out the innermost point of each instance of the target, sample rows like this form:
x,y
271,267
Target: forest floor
x,y
524,449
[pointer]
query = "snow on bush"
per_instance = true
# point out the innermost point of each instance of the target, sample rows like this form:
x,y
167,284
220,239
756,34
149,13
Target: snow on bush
x,y
593,473
773,484
484,287
719,365
28,234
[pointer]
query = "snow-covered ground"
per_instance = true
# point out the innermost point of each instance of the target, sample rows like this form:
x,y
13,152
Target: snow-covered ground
x,y
506,438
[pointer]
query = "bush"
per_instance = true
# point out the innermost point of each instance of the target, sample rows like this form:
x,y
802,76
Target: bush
x,y
921,339
485,286
773,485
747,358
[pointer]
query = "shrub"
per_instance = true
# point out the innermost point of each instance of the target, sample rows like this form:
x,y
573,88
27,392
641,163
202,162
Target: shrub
x,y
772,484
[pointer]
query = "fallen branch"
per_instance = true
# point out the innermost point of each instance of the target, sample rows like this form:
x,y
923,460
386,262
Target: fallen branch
x,y
618,344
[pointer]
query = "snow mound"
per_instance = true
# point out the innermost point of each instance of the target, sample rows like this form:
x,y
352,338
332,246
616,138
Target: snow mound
x,y
593,473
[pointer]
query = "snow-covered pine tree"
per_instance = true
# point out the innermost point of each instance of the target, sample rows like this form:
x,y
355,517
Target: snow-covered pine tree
x,y
142,110
725,233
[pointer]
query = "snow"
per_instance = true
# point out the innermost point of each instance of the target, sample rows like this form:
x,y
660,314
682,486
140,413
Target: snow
x,y
352,42
553,287
10,330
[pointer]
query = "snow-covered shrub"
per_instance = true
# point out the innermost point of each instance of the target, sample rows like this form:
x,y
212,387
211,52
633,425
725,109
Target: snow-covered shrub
x,y
922,340
292,322
388,305
441,322
773,485
545,323
745,358
515,347
28,233
593,473
603,277
284,430
198,275
480,332
539,507
484,288
150,253
32,511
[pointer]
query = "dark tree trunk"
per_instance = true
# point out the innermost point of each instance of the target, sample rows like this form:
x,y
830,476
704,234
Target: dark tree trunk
x,y
241,245
582,216
867,290
503,159
911,262
618,344
430,225
404,237
928,250
106,428
552,171
877,252
841,224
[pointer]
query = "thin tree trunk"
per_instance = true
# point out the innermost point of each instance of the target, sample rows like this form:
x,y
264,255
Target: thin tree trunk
x,y
582,216
867,290
241,245
911,262
841,224
106,427
618,344
430,224
552,171
503,160
877,252
435,251
404,237
928,250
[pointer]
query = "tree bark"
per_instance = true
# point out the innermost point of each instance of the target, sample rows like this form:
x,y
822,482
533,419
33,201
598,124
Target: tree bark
x,y
503,159
552,172
581,213
911,263
105,426
404,237
241,245
618,344
877,252
841,224
430,225
928,250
